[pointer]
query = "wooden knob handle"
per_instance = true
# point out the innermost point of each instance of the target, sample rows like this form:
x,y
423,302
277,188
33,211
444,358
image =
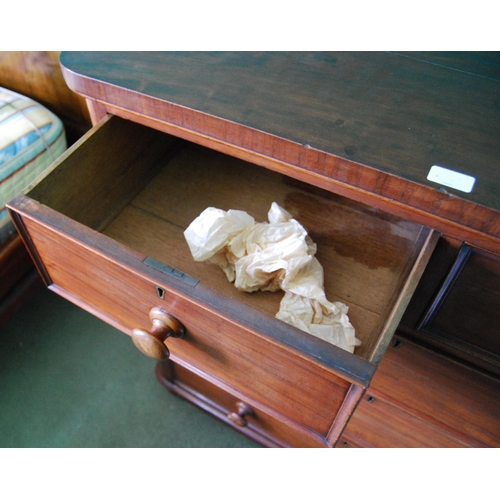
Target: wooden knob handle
x,y
152,343
238,417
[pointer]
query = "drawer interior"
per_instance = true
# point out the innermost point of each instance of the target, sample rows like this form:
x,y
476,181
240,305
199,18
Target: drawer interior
x,y
142,188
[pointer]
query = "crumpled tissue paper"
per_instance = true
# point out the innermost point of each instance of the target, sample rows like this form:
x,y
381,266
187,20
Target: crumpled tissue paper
x,y
269,256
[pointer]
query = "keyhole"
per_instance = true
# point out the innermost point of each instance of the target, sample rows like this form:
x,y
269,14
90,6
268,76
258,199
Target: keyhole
x,y
160,292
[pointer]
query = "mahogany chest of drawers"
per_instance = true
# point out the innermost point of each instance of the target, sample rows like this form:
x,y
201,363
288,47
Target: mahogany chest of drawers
x,y
177,133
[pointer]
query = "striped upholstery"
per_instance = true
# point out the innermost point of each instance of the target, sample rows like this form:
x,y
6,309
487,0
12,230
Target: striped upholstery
x,y
31,138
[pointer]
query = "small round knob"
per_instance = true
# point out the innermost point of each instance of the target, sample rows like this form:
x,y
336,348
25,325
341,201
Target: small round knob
x,y
152,343
238,417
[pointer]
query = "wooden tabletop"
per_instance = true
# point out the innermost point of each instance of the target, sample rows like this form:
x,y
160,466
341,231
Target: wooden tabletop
x,y
376,122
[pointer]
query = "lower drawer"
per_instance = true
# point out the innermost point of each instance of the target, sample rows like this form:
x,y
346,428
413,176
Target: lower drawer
x,y
377,423
239,411
419,398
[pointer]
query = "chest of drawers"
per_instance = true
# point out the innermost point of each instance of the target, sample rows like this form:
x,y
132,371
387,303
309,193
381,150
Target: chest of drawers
x,y
105,228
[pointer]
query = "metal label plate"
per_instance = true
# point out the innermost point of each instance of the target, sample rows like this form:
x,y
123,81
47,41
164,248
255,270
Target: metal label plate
x,y
171,271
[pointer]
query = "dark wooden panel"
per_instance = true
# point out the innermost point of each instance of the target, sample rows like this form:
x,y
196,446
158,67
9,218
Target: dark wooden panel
x,y
484,64
359,105
435,273
100,174
465,314
18,277
395,116
15,262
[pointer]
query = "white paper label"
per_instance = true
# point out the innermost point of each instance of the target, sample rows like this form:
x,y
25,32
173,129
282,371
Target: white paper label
x,y
450,178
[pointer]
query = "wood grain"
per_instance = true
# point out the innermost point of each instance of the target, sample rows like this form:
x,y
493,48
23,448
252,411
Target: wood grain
x,y
96,178
265,426
367,255
37,74
375,123
216,343
448,395
380,424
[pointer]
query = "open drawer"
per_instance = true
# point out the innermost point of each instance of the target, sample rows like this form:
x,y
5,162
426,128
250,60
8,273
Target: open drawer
x,y
105,228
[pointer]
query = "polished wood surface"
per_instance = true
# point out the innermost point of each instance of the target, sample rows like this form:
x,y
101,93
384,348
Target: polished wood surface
x,y
196,135
151,342
215,342
369,258
263,425
375,122
92,251
37,74
419,398
379,424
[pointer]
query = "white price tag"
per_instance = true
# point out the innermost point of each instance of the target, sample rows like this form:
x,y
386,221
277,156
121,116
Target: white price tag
x,y
450,178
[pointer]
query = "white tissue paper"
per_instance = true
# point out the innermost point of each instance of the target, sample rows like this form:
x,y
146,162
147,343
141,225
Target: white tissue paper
x,y
270,256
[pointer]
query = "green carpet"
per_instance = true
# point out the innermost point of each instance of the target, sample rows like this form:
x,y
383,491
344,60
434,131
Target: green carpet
x,y
67,379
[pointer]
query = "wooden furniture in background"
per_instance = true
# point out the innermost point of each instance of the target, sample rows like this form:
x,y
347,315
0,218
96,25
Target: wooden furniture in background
x,y
344,142
37,74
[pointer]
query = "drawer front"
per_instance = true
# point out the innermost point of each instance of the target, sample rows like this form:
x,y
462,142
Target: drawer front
x,y
236,410
451,396
377,423
267,371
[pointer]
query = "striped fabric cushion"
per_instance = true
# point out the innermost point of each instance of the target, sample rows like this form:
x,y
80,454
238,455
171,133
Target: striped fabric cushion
x,y
31,138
